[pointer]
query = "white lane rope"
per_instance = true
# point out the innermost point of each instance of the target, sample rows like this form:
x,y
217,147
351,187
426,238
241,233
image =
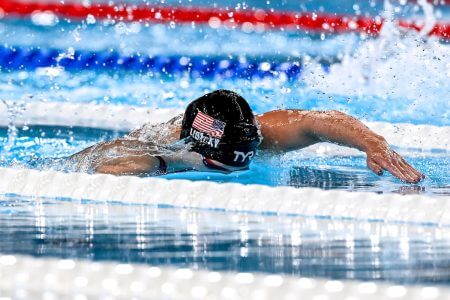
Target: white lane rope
x,y
259,199
128,117
24,277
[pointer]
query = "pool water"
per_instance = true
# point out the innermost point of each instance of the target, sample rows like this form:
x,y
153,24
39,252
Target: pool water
x,y
397,78
299,169
223,241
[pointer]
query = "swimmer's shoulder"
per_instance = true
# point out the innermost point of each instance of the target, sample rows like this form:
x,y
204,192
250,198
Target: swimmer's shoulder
x,y
280,115
281,129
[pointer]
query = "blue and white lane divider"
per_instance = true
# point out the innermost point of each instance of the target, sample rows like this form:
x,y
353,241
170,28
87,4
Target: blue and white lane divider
x,y
23,58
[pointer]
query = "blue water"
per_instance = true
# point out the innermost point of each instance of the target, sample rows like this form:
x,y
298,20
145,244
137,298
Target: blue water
x,y
223,241
398,78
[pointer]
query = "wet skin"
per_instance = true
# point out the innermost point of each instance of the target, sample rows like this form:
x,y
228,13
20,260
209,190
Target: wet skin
x,y
285,130
282,130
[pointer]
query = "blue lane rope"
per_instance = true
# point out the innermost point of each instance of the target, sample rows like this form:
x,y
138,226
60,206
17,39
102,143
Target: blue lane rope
x,y
21,58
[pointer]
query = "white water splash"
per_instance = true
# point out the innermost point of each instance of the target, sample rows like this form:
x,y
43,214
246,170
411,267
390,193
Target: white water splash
x,y
15,109
430,19
69,53
399,65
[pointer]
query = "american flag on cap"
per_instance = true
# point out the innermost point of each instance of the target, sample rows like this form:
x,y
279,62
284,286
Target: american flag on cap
x,y
209,125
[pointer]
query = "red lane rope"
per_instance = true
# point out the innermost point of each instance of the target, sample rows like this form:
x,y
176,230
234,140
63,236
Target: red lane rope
x,y
289,20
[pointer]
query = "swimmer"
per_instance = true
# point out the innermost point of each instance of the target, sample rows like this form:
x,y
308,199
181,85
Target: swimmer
x,y
219,132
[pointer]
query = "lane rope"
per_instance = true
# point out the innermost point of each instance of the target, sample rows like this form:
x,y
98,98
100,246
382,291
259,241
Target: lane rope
x,y
393,208
305,21
31,58
52,278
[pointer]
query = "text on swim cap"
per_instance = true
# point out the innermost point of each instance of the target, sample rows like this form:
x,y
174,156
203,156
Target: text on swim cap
x,y
204,138
243,156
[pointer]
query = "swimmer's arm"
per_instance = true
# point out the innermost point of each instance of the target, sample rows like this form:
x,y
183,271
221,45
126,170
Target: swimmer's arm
x,y
135,159
145,165
140,165
285,130
117,157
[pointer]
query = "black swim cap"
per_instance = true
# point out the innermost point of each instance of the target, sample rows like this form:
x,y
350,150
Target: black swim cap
x,y
221,126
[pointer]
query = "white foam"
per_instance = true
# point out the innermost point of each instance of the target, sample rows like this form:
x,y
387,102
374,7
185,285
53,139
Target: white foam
x,y
389,68
403,70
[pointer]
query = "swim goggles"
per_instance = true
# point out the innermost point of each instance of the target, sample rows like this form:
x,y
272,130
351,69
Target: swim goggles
x,y
217,166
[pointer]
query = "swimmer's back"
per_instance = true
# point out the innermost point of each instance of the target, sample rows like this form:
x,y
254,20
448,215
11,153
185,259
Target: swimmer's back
x,y
160,134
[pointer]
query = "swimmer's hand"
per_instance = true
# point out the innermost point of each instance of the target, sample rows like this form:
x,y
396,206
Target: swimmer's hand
x,y
381,157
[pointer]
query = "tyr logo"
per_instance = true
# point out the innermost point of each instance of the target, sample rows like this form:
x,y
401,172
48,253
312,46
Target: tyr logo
x,y
243,156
